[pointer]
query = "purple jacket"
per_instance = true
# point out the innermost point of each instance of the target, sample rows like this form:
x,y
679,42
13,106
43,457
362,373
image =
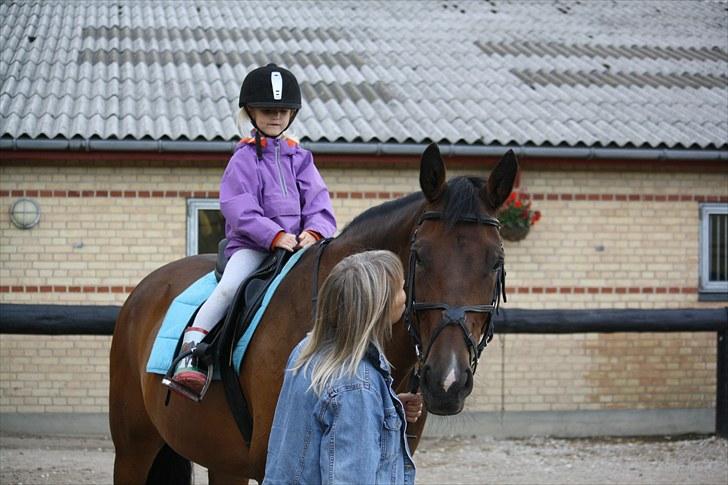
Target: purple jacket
x,y
282,192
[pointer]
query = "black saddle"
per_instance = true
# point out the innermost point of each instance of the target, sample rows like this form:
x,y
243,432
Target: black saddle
x,y
256,284
222,261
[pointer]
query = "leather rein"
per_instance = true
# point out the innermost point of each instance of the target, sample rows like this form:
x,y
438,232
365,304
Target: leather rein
x,y
452,315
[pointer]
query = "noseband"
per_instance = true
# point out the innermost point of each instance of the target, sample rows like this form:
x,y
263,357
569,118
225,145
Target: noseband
x,y
452,315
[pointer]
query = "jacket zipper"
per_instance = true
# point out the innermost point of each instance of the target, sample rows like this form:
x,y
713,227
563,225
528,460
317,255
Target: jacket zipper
x,y
280,172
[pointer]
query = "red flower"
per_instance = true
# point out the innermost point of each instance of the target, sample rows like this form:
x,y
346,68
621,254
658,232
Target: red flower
x,y
516,211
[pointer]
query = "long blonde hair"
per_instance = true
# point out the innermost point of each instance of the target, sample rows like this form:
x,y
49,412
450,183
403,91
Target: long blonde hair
x,y
354,308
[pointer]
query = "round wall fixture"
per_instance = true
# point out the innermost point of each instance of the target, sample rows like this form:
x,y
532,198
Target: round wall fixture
x,y
25,213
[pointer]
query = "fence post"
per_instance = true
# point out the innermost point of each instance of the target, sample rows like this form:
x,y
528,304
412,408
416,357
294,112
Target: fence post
x,y
721,390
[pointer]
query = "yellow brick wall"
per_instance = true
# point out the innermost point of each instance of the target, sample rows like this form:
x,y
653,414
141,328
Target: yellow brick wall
x,y
583,254
59,374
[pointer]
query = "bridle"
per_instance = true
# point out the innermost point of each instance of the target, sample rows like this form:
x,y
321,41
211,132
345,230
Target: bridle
x,y
452,315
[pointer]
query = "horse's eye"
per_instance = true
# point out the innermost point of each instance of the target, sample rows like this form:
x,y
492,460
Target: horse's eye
x,y
498,264
418,259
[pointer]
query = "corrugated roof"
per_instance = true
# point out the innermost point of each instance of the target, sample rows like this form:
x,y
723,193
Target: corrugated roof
x,y
637,74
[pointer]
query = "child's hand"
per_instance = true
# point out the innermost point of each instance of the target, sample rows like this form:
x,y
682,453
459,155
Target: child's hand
x,y
305,239
286,241
412,405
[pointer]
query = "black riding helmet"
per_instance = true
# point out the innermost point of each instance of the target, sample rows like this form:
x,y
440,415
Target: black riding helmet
x,y
270,87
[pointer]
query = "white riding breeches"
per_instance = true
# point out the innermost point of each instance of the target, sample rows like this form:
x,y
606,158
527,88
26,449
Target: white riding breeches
x,y
241,264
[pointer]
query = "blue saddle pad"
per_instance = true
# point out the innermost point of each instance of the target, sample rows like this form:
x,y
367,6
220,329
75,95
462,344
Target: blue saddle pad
x,y
181,309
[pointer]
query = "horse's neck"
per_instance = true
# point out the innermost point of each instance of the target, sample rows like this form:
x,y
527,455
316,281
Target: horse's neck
x,y
391,232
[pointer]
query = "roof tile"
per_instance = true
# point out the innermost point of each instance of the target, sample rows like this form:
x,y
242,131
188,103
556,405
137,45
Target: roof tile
x,y
374,71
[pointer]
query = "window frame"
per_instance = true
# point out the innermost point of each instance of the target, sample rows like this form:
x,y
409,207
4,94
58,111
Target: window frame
x,y
194,206
709,290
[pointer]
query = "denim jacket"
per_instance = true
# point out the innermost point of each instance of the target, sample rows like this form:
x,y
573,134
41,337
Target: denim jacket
x,y
353,433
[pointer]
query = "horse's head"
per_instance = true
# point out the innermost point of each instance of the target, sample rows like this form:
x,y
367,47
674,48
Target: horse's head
x,y
454,277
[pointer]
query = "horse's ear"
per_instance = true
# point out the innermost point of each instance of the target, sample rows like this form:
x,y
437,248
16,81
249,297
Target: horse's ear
x,y
500,181
432,173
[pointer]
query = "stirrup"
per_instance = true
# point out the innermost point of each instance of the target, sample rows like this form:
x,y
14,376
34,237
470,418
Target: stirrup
x,y
180,388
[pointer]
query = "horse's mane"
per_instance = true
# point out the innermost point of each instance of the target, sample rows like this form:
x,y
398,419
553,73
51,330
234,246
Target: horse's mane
x,y
461,197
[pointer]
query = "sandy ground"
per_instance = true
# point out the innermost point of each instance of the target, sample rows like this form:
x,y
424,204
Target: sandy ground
x,y
693,460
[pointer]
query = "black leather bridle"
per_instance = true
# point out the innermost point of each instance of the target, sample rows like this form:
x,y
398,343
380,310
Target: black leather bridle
x,y
452,315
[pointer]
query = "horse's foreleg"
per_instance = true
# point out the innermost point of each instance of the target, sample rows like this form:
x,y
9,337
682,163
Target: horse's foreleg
x,y
219,478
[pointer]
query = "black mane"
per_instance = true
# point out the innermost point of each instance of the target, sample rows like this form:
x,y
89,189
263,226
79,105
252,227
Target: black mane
x,y
462,197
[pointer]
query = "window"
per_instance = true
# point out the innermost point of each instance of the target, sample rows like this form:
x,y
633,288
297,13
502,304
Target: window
x,y
714,252
205,226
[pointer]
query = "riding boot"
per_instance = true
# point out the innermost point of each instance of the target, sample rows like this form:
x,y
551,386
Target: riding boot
x,y
188,371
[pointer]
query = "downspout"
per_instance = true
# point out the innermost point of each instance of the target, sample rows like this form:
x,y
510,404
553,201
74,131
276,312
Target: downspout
x,y
589,153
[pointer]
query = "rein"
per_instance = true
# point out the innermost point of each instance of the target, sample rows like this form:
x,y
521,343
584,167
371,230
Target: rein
x,y
451,315
314,296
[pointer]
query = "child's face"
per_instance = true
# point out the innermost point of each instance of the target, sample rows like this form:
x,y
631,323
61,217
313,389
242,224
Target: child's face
x,y
398,306
271,121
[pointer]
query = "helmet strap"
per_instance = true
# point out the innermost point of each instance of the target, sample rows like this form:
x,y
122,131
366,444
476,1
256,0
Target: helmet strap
x,y
258,131
258,149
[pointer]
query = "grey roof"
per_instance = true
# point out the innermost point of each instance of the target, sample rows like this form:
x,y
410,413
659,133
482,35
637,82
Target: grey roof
x,y
548,73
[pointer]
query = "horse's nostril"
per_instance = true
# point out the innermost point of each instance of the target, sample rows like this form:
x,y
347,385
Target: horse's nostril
x,y
469,379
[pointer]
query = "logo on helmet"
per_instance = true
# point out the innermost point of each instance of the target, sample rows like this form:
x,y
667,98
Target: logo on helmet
x,y
276,82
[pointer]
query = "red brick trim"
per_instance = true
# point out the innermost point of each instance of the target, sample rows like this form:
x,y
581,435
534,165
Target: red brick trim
x,y
366,195
592,290
126,194
65,289
633,197
608,290
209,194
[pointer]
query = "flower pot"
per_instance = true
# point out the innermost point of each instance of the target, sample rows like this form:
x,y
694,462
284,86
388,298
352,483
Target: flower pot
x,y
514,233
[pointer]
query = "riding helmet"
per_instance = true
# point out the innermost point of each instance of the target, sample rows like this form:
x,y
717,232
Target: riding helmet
x,y
270,87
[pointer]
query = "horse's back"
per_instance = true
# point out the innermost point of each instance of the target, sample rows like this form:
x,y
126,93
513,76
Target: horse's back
x,y
142,314
144,309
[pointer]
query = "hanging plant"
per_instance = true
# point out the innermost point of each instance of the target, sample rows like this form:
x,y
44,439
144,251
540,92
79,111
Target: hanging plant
x,y
516,216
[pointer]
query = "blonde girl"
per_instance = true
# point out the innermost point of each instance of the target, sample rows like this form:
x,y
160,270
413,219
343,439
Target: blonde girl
x,y
338,418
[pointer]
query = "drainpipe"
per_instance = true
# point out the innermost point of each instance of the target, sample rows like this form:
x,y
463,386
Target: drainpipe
x,y
339,148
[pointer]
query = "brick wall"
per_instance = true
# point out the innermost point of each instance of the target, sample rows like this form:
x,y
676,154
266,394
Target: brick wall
x,y
607,239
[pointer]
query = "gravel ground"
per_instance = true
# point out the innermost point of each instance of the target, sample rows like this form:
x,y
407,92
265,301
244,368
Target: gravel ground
x,y
668,460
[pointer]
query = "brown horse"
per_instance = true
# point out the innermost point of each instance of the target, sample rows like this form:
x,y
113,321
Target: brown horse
x,y
449,242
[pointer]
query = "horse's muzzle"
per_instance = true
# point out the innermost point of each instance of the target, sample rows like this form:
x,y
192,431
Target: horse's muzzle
x,y
445,392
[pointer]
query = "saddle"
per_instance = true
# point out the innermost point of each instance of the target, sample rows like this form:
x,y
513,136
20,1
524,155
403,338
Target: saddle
x,y
216,350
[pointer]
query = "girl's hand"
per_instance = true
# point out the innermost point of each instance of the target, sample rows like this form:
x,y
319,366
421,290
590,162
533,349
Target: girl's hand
x,y
412,405
286,241
305,239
